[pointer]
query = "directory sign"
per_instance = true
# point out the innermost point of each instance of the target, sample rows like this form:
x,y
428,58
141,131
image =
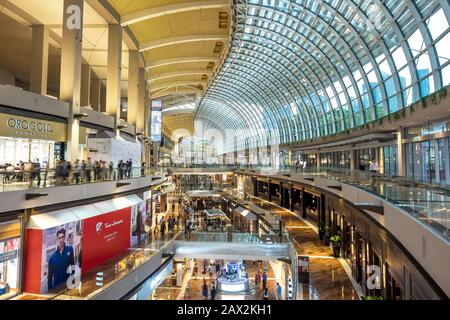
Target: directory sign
x,y
156,120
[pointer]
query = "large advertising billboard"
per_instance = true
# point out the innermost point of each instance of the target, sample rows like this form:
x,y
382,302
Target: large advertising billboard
x,y
105,236
57,255
156,121
138,219
61,256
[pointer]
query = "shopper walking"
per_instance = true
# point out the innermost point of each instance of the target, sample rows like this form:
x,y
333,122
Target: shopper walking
x,y
213,292
77,171
266,294
279,291
89,167
170,225
264,280
205,290
129,168
163,227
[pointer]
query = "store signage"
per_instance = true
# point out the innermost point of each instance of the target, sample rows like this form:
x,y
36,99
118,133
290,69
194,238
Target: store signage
x,y
23,127
9,255
105,236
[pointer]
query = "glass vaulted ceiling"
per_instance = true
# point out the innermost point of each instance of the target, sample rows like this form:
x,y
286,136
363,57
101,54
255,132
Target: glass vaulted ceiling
x,y
302,69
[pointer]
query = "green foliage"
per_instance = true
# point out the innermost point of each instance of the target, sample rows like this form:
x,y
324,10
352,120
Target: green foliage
x,y
371,298
336,240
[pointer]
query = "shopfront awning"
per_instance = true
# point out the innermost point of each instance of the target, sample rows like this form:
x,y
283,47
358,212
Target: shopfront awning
x,y
246,213
56,218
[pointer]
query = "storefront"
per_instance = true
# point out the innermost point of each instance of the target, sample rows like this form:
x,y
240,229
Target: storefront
x,y
31,140
429,161
311,206
244,220
297,200
9,259
68,243
337,159
285,201
263,189
364,157
310,159
274,192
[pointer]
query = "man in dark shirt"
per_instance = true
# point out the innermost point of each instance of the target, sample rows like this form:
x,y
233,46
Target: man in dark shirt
x,y
129,168
59,261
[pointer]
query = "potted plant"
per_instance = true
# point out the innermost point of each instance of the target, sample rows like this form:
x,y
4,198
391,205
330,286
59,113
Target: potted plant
x,y
336,244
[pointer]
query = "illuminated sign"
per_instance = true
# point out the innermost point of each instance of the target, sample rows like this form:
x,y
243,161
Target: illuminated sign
x,y
23,127
156,121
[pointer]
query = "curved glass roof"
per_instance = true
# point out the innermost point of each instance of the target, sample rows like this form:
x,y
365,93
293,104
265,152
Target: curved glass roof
x,y
302,69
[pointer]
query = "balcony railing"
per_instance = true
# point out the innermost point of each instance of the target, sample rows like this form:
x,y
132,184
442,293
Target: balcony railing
x,y
43,178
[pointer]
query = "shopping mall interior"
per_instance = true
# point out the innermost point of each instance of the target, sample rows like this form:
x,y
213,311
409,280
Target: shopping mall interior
x,y
224,150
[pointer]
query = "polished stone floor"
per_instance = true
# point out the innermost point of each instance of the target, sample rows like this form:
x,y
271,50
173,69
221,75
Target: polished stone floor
x,y
167,291
328,279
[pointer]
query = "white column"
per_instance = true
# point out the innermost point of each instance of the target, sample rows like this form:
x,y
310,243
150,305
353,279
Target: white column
x,y
401,152
39,59
143,109
352,159
133,87
114,73
71,70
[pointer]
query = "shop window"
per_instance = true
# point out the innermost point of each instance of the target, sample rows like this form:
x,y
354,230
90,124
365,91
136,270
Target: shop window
x,y
9,258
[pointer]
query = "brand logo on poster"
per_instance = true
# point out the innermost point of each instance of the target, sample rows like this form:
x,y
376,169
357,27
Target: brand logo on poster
x,y
99,227
74,279
73,21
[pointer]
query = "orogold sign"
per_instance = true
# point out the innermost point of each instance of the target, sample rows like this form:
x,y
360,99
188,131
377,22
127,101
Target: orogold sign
x,y
29,125
23,127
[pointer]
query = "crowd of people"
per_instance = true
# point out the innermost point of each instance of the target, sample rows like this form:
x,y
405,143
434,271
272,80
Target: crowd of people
x,y
88,171
22,172
80,171
168,223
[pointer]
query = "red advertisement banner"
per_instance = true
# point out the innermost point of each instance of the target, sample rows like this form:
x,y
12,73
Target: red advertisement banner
x,y
104,237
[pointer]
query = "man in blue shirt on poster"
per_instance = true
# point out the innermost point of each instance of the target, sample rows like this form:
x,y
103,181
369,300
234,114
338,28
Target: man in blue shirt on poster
x,y
59,261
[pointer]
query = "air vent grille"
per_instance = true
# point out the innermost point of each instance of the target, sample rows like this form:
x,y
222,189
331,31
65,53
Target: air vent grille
x,y
223,20
219,47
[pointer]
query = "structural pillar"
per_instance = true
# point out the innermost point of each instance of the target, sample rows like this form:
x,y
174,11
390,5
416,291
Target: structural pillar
x,y
133,87
318,160
142,111
39,60
102,97
95,99
114,73
352,159
401,152
85,85
70,84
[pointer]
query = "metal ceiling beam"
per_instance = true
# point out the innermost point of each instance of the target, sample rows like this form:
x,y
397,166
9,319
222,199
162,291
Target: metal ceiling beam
x,y
169,41
166,62
173,74
177,84
179,91
160,11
